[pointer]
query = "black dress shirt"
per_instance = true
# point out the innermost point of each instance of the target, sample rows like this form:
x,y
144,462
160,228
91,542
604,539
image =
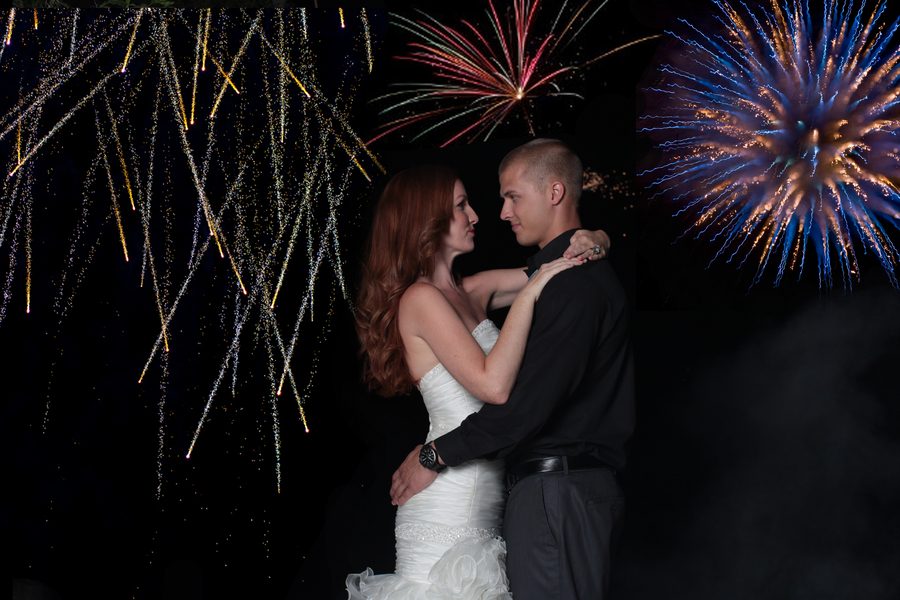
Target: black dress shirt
x,y
575,391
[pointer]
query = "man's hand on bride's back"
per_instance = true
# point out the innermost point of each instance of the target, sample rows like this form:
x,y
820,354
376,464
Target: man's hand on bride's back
x,y
410,479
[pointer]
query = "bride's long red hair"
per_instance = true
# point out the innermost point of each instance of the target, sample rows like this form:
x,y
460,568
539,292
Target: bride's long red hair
x,y
411,217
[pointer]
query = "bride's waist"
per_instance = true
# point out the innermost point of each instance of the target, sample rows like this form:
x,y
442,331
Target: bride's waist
x,y
470,495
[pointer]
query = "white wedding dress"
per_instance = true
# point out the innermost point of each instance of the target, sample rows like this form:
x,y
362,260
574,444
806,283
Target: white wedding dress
x,y
448,535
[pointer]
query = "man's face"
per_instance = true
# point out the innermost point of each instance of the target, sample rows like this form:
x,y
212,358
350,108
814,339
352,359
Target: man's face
x,y
524,206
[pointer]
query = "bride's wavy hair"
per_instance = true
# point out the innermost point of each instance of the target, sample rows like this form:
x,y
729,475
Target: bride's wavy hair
x,y
411,217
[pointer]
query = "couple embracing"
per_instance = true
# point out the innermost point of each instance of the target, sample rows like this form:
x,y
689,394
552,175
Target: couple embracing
x,y
528,423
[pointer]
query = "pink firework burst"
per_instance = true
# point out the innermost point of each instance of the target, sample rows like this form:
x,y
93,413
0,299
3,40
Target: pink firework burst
x,y
482,78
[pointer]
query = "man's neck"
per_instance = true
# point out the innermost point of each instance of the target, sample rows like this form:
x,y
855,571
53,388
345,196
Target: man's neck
x,y
558,229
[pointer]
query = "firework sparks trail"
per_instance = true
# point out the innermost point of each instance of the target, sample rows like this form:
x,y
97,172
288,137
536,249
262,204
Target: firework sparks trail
x,y
9,208
9,28
62,122
8,40
196,258
115,133
782,133
196,65
259,288
165,50
282,83
276,429
368,38
148,251
310,178
112,189
75,14
6,293
257,197
284,64
137,23
313,273
237,60
483,78
49,86
29,206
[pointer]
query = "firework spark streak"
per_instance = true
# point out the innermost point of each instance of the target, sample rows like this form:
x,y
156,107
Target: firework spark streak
x,y
253,181
782,133
483,78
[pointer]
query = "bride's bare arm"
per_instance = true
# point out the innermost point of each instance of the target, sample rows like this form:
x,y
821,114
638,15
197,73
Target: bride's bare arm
x,y
498,288
432,318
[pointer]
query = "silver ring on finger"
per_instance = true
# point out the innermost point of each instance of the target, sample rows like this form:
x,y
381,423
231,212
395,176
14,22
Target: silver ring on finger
x,y
596,250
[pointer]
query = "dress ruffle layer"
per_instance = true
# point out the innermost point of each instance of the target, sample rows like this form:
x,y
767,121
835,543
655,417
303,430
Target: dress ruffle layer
x,y
471,569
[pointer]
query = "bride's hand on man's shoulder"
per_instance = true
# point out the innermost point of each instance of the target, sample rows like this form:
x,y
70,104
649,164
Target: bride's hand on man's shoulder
x,y
546,272
582,242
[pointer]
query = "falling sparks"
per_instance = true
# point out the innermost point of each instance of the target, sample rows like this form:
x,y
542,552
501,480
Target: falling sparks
x,y
196,64
206,36
112,189
368,37
137,23
485,78
9,27
268,169
28,210
781,134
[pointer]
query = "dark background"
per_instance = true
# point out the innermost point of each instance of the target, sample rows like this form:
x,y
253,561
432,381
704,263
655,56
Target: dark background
x,y
765,460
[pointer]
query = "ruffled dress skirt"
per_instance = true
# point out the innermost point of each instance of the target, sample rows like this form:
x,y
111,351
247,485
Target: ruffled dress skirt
x,y
440,560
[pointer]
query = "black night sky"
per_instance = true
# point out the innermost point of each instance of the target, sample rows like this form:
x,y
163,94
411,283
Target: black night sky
x,y
765,463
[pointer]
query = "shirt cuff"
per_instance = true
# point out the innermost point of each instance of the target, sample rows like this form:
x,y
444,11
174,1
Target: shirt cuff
x,y
451,449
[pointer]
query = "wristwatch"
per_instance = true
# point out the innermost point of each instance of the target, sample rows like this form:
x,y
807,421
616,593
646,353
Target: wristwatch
x,y
428,458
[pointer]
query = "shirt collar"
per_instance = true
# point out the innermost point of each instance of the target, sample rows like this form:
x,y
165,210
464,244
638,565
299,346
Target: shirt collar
x,y
551,251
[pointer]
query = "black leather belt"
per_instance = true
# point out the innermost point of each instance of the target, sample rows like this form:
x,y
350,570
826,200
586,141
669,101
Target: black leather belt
x,y
553,464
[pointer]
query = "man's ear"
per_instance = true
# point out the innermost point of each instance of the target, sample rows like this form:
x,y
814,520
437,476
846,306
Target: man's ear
x,y
557,192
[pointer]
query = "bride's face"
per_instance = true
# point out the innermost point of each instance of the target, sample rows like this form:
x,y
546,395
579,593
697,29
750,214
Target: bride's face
x,y
461,236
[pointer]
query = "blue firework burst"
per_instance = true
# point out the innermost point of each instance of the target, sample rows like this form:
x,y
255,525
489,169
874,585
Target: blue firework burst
x,y
781,134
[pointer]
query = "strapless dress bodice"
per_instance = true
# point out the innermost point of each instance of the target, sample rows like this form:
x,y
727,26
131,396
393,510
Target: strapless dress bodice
x,y
447,401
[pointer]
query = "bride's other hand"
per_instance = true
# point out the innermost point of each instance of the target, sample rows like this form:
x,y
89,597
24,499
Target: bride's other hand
x,y
410,479
540,278
581,244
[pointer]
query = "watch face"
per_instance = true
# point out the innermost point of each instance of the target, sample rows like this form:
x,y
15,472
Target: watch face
x,y
427,457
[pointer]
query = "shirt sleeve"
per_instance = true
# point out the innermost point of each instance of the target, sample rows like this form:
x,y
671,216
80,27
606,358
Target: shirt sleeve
x,y
564,331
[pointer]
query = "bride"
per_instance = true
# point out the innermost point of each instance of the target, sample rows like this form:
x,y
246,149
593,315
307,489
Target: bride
x,y
421,324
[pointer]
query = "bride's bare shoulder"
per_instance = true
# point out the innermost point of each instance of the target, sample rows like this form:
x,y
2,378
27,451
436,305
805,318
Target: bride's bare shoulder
x,y
421,301
420,295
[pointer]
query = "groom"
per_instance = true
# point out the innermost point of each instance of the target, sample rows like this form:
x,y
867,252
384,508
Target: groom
x,y
563,429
